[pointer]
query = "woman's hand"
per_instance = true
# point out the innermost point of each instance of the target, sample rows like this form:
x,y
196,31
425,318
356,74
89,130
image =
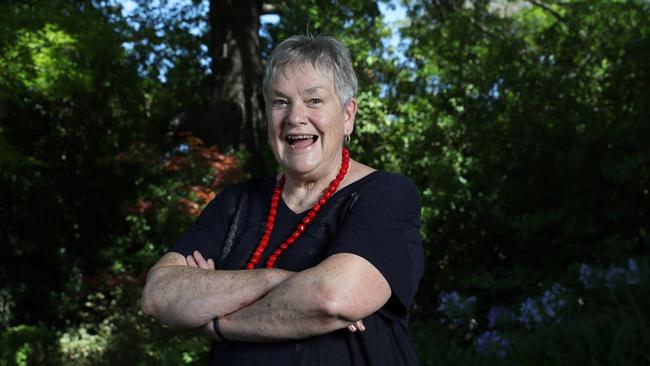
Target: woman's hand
x,y
196,260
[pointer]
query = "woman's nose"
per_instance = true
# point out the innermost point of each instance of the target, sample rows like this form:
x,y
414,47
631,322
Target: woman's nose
x,y
296,115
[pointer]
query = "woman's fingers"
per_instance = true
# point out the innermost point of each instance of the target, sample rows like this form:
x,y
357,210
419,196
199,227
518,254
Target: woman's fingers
x,y
200,261
191,262
357,326
196,260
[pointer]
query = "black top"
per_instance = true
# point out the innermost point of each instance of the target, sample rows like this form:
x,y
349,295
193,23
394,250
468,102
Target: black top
x,y
376,217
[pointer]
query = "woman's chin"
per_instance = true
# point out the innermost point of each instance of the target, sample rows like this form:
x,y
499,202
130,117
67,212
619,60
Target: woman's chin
x,y
301,162
298,169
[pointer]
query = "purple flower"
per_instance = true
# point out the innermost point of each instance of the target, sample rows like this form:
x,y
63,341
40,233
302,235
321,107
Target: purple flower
x,y
529,313
499,315
491,342
455,308
632,266
552,301
615,276
632,275
586,276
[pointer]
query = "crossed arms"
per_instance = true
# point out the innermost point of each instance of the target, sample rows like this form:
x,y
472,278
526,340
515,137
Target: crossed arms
x,y
264,304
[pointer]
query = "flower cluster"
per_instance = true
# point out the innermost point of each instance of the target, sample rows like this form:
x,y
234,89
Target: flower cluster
x,y
553,300
455,308
549,307
529,313
491,342
612,277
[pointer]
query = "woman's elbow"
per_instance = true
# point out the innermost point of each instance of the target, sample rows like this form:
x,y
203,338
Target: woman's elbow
x,y
333,302
353,302
148,302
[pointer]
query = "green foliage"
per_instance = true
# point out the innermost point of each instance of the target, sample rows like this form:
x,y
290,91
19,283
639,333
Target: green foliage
x,y
524,124
520,120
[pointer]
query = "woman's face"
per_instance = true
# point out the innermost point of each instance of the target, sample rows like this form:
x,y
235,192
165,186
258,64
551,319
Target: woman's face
x,y
306,121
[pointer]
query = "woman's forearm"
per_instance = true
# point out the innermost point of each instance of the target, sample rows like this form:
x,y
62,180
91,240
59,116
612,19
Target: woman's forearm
x,y
293,310
319,300
181,296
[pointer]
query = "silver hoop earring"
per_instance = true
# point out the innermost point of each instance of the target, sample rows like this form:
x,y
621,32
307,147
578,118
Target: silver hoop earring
x,y
346,138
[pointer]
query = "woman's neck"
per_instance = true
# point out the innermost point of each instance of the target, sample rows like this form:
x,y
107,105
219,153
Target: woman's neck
x,y
300,192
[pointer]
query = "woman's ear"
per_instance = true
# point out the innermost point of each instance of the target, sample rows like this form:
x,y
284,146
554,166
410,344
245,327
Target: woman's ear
x,y
350,111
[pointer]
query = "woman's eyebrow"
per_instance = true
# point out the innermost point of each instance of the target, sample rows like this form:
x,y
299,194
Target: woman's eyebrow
x,y
278,93
314,89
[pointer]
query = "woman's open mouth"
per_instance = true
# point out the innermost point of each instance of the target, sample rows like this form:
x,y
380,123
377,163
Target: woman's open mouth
x,y
300,141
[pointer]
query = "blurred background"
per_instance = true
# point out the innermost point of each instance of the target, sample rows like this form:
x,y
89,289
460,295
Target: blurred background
x,y
525,125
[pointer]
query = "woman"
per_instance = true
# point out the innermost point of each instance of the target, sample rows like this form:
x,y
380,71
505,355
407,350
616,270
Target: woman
x,y
296,261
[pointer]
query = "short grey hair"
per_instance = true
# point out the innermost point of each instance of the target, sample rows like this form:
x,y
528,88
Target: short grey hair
x,y
325,54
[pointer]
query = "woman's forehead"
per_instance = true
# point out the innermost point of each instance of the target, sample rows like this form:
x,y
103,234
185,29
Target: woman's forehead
x,y
305,73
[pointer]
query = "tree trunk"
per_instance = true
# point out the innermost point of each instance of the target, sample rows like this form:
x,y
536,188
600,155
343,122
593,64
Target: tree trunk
x,y
235,117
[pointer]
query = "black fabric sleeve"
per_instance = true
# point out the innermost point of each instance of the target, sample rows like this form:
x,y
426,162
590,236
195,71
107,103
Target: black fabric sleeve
x,y
207,233
383,227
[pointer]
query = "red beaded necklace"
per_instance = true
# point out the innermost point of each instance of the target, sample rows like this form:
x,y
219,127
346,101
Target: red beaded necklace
x,y
309,217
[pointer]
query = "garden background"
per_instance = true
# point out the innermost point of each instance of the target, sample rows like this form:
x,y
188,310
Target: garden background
x,y
525,125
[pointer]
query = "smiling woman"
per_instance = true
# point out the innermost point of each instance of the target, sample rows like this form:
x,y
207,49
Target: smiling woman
x,y
339,240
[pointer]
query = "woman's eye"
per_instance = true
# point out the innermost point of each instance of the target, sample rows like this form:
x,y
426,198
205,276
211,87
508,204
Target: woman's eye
x,y
280,102
316,101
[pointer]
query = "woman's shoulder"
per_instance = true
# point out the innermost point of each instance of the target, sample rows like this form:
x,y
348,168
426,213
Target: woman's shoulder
x,y
391,189
377,178
382,181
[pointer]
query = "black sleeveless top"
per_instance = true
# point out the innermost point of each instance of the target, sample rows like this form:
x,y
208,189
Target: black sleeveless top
x,y
376,217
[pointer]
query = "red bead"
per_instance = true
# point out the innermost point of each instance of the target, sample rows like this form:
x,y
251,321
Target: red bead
x,y
311,214
290,240
273,211
316,208
322,201
277,252
327,195
301,227
284,246
306,220
250,266
296,234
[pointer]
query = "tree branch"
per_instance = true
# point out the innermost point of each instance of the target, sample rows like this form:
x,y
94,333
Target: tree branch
x,y
547,8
